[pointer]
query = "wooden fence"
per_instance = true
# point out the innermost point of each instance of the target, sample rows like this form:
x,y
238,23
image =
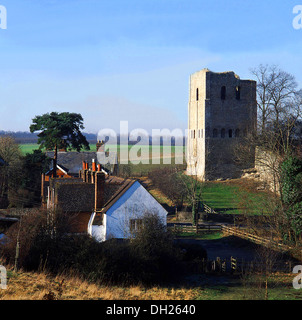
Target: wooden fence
x,y
181,228
234,265
230,230
238,232
208,209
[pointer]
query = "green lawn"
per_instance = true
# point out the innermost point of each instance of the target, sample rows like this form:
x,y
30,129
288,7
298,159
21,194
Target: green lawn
x,y
248,287
232,198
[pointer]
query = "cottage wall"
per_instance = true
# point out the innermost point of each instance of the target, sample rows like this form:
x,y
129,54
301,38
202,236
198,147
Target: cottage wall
x,y
133,204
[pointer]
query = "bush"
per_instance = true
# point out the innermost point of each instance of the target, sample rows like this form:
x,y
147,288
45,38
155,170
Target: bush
x,y
150,258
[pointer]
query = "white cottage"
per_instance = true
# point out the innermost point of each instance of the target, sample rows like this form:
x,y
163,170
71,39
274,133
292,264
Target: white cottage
x,y
104,206
123,214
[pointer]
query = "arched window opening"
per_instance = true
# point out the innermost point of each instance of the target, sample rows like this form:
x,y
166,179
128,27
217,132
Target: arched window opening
x,y
223,133
238,92
237,133
215,133
223,93
230,133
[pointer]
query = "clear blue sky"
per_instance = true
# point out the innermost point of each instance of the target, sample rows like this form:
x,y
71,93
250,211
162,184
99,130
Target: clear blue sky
x,y
113,60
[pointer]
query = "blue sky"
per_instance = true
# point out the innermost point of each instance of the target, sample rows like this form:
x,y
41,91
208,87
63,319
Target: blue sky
x,y
114,60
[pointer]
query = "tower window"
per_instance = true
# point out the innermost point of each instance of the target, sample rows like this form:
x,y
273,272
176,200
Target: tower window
x,y
237,133
223,93
230,133
197,94
222,133
215,133
238,91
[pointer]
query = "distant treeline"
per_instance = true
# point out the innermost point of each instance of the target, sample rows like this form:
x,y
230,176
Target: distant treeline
x,y
24,137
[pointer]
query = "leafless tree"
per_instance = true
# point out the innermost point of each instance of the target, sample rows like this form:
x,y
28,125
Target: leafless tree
x,y
278,98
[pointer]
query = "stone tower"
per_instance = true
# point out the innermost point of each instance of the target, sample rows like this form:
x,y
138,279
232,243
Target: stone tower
x,y
222,112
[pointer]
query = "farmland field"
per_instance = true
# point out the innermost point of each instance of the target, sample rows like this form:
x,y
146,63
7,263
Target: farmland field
x,y
28,148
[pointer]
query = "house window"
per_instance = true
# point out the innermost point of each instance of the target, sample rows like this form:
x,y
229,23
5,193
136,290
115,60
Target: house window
x,y
215,133
136,225
197,94
230,133
237,133
98,219
223,93
223,133
238,91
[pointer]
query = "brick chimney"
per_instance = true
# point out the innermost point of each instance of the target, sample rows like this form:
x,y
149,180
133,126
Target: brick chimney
x,y
99,190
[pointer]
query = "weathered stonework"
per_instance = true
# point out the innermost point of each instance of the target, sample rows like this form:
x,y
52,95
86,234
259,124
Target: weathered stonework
x,y
222,111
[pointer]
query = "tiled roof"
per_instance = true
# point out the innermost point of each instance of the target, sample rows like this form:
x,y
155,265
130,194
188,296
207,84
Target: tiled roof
x,y
124,185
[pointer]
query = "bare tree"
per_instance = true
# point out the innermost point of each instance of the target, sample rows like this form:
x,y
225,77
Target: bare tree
x,y
278,97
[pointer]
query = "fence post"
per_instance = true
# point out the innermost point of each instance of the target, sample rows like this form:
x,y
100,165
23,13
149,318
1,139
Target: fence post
x,y
17,256
233,264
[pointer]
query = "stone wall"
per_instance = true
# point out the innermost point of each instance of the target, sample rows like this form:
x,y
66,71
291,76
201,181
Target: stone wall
x,y
267,166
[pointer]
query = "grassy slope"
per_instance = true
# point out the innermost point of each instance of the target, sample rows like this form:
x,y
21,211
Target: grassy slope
x,y
36,286
234,197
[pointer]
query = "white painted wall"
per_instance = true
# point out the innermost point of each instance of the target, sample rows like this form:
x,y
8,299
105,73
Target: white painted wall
x,y
133,204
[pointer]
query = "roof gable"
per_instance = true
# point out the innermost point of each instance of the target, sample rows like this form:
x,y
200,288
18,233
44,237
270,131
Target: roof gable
x,y
60,167
126,193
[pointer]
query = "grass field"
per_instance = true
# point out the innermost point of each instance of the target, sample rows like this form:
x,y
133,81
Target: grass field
x,y
234,197
146,151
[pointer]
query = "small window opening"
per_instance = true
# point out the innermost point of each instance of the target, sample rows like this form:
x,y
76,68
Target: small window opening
x,y
136,225
238,92
197,94
230,133
215,133
223,93
223,133
237,133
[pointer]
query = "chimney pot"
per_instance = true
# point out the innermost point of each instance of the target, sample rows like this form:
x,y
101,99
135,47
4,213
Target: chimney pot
x,y
93,165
